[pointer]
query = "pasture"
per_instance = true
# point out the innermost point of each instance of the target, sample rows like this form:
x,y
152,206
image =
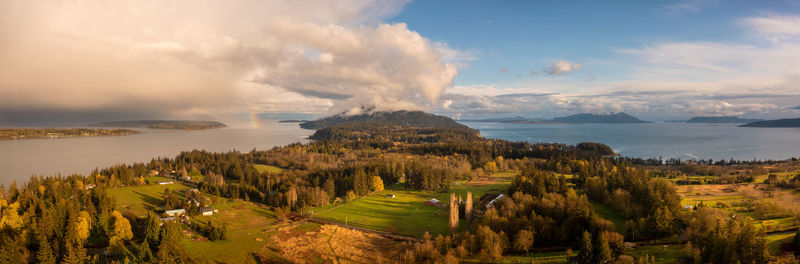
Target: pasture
x,y
406,213
267,168
138,200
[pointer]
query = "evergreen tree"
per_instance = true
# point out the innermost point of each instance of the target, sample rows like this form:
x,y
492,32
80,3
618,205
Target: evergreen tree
x,y
585,251
796,242
11,250
45,254
170,251
145,254
602,252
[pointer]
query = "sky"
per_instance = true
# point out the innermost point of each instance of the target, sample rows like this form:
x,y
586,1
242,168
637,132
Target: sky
x,y
80,61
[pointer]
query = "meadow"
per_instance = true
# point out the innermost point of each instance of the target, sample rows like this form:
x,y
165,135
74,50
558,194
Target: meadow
x,y
406,213
138,200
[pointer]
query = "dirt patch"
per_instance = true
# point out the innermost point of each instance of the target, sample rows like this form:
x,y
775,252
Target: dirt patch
x,y
332,243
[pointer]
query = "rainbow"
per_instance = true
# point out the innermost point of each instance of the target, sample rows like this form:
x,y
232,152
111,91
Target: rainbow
x,y
254,121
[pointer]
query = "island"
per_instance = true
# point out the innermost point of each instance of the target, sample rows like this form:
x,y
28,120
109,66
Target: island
x,y
163,124
721,119
399,118
584,118
788,122
47,133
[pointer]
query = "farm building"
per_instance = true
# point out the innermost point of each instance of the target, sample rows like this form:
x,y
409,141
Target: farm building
x,y
491,203
175,212
207,211
390,195
432,202
165,182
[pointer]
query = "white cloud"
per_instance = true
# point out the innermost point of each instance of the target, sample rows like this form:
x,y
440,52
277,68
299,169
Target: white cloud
x,y
774,27
561,68
209,56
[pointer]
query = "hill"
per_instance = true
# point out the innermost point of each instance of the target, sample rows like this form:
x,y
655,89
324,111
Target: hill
x,y
721,119
789,122
162,124
399,118
612,118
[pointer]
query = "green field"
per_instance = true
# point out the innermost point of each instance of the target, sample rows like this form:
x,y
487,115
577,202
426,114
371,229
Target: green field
x,y
407,214
609,214
249,229
268,168
138,200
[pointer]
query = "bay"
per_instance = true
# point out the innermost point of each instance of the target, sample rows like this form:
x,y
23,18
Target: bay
x,y
19,159
666,140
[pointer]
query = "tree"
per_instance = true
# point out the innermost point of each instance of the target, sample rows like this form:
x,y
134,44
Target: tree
x,y
291,196
75,253
11,250
377,183
170,251
83,226
523,241
602,252
152,229
121,231
351,196
468,207
330,187
145,254
585,251
453,213
45,254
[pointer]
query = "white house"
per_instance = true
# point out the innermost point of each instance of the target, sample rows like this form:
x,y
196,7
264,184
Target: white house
x,y
207,211
165,182
175,212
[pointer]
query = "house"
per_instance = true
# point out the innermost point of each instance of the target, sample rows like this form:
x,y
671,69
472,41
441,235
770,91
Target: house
x,y
165,219
688,207
390,195
175,212
165,182
490,204
207,211
432,202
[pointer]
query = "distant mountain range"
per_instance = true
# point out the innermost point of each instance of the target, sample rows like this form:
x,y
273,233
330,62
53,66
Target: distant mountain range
x,y
721,119
789,122
610,118
162,124
400,118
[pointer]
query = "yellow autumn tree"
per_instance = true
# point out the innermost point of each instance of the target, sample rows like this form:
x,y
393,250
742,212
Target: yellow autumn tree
x,y
83,225
121,231
10,217
377,183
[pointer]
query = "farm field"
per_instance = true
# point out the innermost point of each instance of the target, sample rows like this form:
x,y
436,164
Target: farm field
x,y
406,213
268,168
250,226
138,200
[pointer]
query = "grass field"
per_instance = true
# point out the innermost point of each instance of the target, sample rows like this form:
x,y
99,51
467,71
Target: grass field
x,y
267,168
774,241
407,214
249,228
609,214
138,200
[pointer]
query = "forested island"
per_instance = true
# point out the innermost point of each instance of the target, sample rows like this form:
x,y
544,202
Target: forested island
x,y
584,118
42,133
162,124
383,191
789,122
721,119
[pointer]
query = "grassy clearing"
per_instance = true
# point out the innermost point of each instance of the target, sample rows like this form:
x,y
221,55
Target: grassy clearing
x,y
609,214
557,257
249,227
268,168
781,176
407,214
138,200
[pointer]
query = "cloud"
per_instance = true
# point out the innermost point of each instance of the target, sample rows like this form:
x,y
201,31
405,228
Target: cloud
x,y
532,74
687,6
796,107
185,58
561,68
774,27
502,70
